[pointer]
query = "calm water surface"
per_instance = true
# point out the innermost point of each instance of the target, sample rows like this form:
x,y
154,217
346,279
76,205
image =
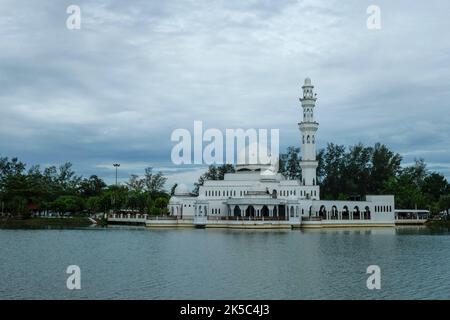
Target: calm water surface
x,y
138,263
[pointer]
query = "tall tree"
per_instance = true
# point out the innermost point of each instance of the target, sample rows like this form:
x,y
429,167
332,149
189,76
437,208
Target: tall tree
x,y
154,182
290,164
135,183
91,187
385,164
434,186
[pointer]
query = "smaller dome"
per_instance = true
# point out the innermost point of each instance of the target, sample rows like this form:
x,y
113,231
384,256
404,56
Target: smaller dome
x,y
181,190
307,82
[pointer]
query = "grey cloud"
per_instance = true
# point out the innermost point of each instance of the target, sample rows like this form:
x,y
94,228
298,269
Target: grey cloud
x,y
115,90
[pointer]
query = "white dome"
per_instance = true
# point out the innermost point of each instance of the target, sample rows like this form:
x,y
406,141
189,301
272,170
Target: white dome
x,y
181,190
307,81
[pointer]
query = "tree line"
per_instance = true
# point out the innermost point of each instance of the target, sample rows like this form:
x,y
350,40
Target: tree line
x,y
344,173
60,190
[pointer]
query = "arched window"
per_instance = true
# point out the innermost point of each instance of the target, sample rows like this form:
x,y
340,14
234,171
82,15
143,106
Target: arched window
x,y
307,139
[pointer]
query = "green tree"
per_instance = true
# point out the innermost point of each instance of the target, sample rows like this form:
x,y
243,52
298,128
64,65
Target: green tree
x,y
407,193
434,186
92,186
154,182
332,168
72,204
135,183
290,164
161,204
385,164
93,204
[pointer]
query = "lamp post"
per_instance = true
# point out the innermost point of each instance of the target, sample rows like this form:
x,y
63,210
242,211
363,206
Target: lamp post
x,y
116,165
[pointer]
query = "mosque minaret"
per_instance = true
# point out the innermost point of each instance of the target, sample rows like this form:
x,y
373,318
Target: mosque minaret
x,y
308,128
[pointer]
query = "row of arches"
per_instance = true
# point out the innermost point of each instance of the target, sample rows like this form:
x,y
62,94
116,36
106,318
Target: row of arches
x,y
278,211
345,214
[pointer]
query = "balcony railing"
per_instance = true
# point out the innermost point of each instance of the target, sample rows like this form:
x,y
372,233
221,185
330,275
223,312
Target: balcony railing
x,y
233,218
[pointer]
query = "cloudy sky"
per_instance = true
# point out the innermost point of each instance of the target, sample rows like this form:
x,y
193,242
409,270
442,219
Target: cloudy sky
x,y
114,90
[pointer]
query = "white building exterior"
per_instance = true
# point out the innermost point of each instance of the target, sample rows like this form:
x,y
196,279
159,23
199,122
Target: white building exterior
x,y
251,197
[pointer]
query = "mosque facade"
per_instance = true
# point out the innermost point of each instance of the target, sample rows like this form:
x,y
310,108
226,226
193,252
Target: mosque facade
x,y
250,197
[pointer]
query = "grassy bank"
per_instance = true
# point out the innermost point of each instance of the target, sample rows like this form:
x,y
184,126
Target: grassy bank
x,y
44,223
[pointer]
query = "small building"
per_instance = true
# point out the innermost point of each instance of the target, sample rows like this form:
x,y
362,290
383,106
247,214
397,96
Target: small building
x,y
411,216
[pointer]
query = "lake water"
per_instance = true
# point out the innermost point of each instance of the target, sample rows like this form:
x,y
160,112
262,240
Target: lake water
x,y
138,263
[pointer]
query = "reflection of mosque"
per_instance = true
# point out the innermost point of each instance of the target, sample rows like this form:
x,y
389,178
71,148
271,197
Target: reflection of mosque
x,y
254,194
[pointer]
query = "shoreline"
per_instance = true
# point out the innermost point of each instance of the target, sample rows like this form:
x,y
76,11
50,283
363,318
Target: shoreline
x,y
45,223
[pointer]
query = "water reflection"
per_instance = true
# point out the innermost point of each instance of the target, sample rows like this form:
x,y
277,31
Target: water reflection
x,y
138,263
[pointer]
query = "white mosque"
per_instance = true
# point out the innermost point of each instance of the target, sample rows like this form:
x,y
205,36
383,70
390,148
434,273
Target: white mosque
x,y
251,199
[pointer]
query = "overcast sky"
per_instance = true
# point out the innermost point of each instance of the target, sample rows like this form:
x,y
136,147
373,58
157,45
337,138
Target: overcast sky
x,y
114,90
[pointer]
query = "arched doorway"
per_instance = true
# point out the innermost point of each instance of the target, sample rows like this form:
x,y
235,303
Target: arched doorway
x,y
323,213
345,213
282,212
367,213
356,213
237,211
250,212
265,211
292,212
334,213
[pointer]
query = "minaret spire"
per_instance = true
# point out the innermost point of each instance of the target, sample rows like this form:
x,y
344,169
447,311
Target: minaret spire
x,y
308,128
